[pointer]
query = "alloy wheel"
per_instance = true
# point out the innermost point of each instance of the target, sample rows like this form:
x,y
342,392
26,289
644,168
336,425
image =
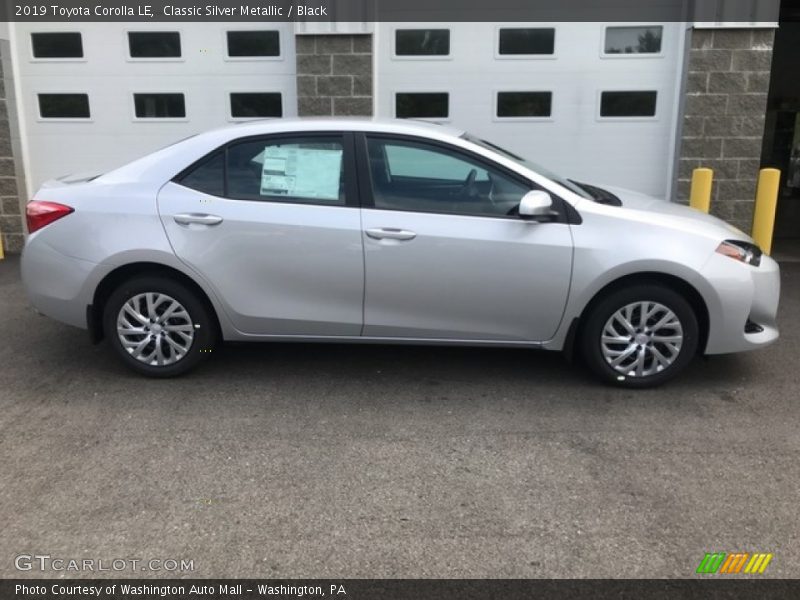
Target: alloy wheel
x,y
155,329
641,339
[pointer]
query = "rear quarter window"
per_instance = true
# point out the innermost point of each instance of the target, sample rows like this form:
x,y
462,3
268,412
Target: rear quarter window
x,y
207,177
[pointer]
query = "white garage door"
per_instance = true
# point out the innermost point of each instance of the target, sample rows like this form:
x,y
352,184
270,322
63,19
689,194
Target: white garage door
x,y
594,101
97,95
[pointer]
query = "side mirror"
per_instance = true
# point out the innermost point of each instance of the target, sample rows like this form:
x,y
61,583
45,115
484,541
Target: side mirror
x,y
536,205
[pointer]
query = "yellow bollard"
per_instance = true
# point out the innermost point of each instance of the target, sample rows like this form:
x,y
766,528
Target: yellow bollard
x,y
766,202
2,255
700,195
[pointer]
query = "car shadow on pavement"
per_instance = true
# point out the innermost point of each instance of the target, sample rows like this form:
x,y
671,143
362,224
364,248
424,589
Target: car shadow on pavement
x,y
357,363
259,363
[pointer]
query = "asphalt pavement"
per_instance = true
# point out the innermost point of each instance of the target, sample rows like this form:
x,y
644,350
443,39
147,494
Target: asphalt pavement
x,y
297,460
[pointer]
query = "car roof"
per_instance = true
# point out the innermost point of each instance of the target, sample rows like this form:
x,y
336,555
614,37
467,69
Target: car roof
x,y
164,163
376,124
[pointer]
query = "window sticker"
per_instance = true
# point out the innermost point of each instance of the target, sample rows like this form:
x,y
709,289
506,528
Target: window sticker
x,y
300,172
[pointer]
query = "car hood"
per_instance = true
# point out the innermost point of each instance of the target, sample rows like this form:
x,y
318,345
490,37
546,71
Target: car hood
x,y
676,214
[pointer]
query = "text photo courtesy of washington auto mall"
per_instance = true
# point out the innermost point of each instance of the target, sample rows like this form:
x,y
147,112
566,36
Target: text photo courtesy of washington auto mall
x,y
386,300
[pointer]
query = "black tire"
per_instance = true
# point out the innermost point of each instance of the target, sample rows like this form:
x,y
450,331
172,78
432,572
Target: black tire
x,y
197,314
600,314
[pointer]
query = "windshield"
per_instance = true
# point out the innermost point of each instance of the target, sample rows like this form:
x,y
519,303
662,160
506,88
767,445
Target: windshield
x,y
529,165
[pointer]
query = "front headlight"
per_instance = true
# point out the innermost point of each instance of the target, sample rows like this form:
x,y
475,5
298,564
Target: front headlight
x,y
745,252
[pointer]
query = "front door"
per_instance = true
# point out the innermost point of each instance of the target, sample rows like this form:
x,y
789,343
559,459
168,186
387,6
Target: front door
x,y
445,254
272,226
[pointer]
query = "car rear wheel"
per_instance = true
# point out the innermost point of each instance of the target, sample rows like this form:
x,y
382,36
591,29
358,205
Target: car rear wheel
x,y
158,327
640,336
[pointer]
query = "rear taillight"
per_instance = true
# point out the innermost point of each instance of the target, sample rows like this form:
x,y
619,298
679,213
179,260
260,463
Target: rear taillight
x,y
40,213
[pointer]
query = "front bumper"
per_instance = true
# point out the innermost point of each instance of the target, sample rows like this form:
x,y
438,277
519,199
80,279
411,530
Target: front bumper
x,y
741,295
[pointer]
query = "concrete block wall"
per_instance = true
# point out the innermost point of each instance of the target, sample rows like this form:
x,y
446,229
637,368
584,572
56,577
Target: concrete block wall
x,y
334,75
11,226
723,123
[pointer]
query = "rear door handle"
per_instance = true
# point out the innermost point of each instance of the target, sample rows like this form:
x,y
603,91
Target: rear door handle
x,y
197,218
390,233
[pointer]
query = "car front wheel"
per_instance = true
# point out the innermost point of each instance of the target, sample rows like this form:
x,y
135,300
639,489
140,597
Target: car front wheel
x,y
158,326
640,336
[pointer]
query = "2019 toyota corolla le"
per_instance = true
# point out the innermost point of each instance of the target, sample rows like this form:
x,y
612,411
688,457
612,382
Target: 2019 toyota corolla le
x,y
387,231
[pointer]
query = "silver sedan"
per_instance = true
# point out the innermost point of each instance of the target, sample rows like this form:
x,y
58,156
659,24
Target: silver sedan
x,y
387,232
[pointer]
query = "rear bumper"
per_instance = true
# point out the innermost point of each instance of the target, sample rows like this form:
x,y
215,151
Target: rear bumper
x,y
742,295
59,286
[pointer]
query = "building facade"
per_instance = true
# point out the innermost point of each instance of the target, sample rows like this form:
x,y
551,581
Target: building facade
x,y
636,105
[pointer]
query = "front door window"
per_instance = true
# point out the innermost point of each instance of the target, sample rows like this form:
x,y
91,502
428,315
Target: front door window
x,y
420,177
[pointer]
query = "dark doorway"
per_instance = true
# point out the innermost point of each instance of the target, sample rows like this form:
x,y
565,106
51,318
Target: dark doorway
x,y
781,147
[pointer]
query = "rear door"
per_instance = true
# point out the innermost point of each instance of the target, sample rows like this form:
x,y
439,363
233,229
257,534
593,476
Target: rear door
x,y
272,223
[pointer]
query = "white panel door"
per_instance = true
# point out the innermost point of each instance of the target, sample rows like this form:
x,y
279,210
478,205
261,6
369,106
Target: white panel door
x,y
575,140
113,135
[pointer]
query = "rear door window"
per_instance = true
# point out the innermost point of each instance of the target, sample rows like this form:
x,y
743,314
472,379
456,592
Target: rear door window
x,y
306,170
302,170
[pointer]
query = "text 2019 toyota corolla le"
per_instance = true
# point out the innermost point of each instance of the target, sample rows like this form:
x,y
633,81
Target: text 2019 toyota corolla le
x,y
387,231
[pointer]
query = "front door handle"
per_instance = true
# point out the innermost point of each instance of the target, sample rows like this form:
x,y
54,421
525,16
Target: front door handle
x,y
197,218
390,233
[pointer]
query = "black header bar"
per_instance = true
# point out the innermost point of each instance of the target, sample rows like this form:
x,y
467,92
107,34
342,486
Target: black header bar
x,y
708,588
727,11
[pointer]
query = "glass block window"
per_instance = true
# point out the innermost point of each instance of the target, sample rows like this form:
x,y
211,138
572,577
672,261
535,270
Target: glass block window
x,y
256,104
57,45
422,42
422,105
527,41
159,106
64,106
154,44
633,40
253,43
628,104
524,104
